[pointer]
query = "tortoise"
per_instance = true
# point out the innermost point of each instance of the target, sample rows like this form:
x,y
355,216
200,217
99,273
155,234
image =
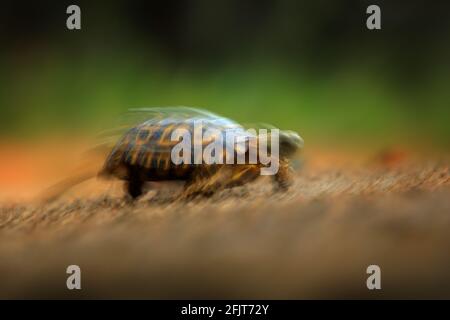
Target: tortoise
x,y
143,154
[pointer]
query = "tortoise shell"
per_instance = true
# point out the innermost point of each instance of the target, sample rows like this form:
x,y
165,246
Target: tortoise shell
x,y
147,146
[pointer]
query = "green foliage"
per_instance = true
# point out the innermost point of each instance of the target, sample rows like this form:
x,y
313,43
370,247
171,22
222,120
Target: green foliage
x,y
355,104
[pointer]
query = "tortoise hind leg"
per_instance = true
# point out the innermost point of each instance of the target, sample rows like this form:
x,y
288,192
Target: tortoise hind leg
x,y
134,183
134,188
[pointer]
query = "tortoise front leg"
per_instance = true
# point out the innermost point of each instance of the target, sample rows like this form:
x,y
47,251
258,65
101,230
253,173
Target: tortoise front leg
x,y
284,178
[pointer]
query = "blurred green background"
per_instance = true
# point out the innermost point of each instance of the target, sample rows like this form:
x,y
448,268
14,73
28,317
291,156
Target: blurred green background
x,y
308,66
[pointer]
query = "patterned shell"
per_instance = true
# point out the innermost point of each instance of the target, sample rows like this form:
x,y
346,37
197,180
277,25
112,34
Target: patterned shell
x,y
148,145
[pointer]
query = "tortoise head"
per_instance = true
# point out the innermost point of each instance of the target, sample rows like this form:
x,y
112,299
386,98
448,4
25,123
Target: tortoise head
x,y
290,143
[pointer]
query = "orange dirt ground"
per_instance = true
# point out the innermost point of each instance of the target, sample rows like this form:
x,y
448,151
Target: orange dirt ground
x,y
346,211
